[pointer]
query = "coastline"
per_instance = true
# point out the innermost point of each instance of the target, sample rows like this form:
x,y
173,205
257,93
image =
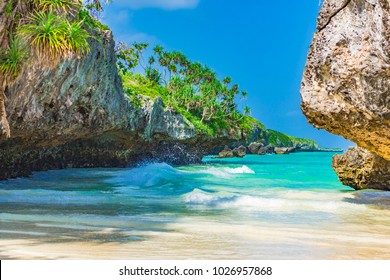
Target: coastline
x,y
257,207
197,242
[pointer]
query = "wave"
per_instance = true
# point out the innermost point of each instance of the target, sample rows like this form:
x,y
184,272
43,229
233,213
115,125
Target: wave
x,y
259,203
226,172
157,174
147,175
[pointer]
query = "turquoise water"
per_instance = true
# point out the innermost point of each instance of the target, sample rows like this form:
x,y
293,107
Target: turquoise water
x,y
272,207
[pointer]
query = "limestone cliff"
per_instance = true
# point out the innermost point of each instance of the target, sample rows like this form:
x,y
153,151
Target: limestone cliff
x,y
73,113
346,83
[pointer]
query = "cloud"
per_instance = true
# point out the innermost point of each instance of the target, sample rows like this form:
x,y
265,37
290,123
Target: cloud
x,y
161,4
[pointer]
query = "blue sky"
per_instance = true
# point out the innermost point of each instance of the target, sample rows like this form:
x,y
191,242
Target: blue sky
x,y
262,45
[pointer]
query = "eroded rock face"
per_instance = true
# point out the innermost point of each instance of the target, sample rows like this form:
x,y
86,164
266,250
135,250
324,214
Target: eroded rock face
x,y
346,83
361,169
73,113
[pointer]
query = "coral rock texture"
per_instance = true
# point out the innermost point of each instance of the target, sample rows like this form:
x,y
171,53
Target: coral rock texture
x,y
346,82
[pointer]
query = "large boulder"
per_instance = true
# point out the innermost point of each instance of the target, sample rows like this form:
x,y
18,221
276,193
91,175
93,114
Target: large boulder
x,y
283,150
360,169
239,151
346,83
254,147
269,149
226,153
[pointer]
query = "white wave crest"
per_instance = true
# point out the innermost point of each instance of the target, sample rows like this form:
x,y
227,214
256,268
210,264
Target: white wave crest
x,y
227,172
263,204
240,170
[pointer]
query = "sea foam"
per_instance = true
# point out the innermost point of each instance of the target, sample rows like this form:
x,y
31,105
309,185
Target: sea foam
x,y
227,172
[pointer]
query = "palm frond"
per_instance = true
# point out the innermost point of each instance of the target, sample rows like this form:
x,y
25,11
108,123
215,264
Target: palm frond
x,y
13,58
46,33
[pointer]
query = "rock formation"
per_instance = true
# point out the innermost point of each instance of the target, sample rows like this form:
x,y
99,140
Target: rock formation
x,y
266,150
239,151
73,113
226,153
254,147
359,168
283,151
346,84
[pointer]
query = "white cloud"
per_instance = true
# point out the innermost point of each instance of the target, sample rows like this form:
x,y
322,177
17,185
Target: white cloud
x,y
161,4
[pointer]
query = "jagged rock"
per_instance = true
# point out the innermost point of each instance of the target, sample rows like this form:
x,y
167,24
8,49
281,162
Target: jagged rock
x,y
346,83
226,153
254,147
361,169
266,150
239,152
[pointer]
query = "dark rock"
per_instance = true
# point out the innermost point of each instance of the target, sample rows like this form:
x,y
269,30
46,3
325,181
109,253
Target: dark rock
x,y
240,151
266,150
254,147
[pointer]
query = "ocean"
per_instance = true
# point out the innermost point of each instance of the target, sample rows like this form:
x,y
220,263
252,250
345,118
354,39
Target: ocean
x,y
256,207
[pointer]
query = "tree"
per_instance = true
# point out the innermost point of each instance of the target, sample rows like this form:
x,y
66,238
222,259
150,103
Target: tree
x,y
190,87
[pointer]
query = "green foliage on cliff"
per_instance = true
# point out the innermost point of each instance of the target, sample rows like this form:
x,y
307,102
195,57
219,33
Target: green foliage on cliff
x,y
279,139
190,88
12,59
48,29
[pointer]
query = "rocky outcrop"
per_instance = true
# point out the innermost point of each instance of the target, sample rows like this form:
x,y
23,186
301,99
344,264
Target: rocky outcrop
x,y
283,151
361,169
239,151
254,147
73,113
226,153
346,83
229,153
266,150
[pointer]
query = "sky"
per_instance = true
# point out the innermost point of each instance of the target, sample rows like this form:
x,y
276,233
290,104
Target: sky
x,y
262,45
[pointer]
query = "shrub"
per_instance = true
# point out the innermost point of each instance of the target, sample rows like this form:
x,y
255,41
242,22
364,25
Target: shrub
x,y
46,33
12,59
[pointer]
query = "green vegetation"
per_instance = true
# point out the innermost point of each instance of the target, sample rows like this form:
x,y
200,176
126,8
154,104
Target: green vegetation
x,y
8,8
12,59
190,88
279,139
50,29
56,5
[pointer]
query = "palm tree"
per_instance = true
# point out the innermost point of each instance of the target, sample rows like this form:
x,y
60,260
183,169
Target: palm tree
x,y
227,80
247,110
